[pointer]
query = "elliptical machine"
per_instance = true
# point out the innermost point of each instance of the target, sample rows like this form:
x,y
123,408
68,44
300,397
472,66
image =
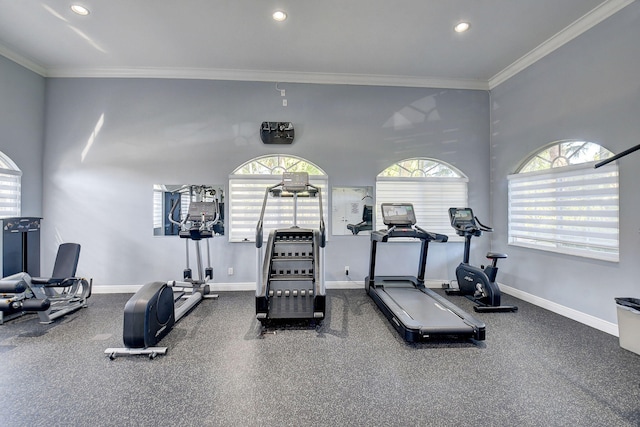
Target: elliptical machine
x,y
477,284
152,311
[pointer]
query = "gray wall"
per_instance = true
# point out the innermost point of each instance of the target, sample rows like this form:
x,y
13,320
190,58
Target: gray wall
x,y
588,89
106,142
21,128
138,132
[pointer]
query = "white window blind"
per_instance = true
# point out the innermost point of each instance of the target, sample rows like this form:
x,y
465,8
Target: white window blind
x,y
245,203
157,207
571,210
10,190
431,198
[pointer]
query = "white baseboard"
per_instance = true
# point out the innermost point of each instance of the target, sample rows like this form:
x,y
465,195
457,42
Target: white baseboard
x,y
578,316
218,287
587,319
246,286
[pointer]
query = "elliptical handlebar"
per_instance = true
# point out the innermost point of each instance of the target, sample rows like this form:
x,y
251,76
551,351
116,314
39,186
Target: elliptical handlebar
x,y
173,221
202,224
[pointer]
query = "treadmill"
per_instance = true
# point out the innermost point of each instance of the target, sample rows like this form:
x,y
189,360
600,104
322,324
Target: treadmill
x,y
415,311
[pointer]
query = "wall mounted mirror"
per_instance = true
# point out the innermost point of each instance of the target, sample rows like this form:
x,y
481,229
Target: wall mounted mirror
x,y
352,211
171,205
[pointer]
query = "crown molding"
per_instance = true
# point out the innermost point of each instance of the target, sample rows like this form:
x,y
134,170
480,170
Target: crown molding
x,y
589,20
268,76
21,60
586,22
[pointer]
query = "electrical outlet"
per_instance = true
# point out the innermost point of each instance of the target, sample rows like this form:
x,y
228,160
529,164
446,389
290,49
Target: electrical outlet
x,y
230,271
346,270
284,102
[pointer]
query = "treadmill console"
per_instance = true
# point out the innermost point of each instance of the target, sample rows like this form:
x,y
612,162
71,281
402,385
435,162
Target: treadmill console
x,y
398,214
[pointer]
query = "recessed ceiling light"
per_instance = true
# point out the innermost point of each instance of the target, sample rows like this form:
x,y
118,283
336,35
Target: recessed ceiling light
x,y
80,10
279,15
461,27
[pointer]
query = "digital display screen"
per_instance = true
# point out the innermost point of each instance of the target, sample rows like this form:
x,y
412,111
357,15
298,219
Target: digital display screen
x,y
398,214
461,217
464,215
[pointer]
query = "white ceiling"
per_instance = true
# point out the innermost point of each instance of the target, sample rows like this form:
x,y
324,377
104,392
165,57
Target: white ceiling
x,y
376,42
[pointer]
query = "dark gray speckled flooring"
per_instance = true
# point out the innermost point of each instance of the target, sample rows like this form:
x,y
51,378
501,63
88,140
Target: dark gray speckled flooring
x,y
535,369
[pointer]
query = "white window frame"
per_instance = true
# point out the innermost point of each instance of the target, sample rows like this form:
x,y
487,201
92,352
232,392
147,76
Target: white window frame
x,y
571,210
431,196
246,196
10,188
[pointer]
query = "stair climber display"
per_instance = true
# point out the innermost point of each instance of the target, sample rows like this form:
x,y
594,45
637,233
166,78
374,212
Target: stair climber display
x,y
290,275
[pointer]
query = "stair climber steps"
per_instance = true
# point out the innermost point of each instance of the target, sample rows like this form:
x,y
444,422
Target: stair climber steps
x,y
291,299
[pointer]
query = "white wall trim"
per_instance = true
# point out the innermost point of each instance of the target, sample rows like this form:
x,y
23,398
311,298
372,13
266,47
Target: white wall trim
x,y
21,60
590,20
218,287
268,76
578,316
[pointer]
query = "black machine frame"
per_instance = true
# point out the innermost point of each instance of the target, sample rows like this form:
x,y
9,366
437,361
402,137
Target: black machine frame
x,y
294,290
417,312
156,307
477,284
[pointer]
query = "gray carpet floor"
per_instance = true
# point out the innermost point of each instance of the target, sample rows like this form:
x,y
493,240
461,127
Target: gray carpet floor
x,y
534,369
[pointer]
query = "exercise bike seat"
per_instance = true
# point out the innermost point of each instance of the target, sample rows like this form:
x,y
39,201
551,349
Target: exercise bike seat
x,y
496,255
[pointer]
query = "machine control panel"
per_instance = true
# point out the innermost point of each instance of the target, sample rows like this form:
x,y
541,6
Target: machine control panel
x,y
398,214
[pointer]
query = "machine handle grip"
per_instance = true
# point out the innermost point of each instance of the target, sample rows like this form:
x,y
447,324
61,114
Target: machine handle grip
x,y
259,234
433,236
173,221
482,226
323,235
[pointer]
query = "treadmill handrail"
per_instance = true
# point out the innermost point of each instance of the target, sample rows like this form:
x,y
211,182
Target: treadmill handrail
x,y
413,232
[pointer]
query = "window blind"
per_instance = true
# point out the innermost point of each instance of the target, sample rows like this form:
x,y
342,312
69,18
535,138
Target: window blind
x,y
10,190
431,199
572,210
246,194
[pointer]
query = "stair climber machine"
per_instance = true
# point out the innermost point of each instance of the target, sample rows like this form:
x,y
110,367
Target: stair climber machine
x,y
152,311
415,311
290,275
477,284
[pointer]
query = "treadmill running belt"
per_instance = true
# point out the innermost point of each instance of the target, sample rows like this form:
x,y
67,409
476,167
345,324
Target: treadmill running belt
x,y
426,310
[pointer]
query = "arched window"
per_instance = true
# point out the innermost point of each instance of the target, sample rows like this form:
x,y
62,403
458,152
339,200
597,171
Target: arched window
x,y
247,185
559,202
10,190
430,185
